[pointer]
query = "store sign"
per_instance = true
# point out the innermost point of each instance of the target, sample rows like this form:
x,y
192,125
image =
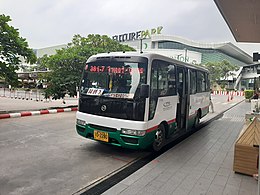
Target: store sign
x,y
138,35
188,56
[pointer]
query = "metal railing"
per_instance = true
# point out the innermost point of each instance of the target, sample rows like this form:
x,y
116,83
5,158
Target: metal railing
x,y
22,94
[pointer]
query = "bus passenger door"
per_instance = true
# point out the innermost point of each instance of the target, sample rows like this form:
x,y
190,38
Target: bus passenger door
x,y
182,92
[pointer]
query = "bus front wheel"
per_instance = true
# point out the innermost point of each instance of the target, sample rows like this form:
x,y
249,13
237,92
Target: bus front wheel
x,y
159,138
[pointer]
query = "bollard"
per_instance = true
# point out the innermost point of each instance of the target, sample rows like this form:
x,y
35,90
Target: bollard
x,y
232,96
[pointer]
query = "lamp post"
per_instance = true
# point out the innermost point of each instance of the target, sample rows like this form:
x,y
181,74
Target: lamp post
x,y
4,86
141,45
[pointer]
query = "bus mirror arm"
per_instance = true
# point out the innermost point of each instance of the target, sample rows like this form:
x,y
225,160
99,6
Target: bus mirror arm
x,y
144,91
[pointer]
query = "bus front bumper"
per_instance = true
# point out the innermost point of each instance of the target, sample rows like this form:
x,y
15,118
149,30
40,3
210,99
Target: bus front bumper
x,y
117,138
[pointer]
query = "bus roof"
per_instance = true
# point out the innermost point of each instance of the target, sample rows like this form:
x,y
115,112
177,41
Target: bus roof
x,y
144,54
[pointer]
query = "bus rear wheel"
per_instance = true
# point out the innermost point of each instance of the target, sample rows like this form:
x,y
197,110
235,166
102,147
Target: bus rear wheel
x,y
159,139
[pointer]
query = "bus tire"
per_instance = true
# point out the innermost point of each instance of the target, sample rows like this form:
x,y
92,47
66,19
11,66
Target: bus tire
x,y
197,120
159,139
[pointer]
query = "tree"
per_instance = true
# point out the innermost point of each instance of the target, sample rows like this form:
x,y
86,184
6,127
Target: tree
x,y
68,63
12,48
220,71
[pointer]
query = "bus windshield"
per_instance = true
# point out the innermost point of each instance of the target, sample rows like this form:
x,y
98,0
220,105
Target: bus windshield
x,y
113,79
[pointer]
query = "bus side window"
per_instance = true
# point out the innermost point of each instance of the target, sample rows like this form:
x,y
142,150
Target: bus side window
x,y
162,78
154,81
201,82
207,82
153,89
171,80
193,82
167,79
204,82
180,81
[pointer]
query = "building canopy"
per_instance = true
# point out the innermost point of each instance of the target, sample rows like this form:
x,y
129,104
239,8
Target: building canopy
x,y
242,17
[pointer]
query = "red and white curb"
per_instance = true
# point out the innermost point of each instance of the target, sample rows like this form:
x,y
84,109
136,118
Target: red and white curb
x,y
31,113
234,93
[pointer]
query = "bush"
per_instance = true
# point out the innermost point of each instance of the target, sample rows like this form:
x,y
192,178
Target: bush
x,y
248,93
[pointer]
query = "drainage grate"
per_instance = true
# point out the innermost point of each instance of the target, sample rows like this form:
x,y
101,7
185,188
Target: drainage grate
x,y
116,178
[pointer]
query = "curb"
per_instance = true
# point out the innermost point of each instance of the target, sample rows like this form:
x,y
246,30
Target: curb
x,y
31,113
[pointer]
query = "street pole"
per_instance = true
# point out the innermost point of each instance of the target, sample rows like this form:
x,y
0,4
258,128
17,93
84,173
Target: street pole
x,y
141,45
4,87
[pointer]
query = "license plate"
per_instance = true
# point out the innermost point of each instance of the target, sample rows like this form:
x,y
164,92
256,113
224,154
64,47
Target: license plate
x,y
101,136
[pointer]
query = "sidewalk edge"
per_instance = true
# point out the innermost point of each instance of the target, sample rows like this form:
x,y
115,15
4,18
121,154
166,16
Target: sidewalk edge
x,y
39,112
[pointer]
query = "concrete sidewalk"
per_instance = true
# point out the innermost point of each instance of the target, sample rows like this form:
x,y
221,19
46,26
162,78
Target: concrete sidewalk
x,y
11,105
201,164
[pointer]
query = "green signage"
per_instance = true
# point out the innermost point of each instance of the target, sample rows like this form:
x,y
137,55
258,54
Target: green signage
x,y
138,35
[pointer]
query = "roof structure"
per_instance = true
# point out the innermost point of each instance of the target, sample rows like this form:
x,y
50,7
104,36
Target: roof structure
x,y
225,47
242,17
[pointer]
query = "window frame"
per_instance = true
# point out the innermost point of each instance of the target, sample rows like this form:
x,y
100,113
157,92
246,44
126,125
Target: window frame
x,y
193,83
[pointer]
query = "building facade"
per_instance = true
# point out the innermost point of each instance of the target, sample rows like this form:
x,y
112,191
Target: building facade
x,y
191,51
183,50
199,53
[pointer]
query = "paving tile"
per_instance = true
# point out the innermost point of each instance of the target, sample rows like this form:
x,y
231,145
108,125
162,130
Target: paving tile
x,y
219,157
170,186
139,184
136,175
224,172
220,180
209,144
248,183
187,167
214,167
151,188
202,184
201,167
164,176
135,188
215,190
181,174
207,158
231,190
228,162
117,189
235,179
198,191
181,191
187,183
209,174
246,192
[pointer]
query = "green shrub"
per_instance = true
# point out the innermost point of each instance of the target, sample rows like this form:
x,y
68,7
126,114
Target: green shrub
x,y
249,93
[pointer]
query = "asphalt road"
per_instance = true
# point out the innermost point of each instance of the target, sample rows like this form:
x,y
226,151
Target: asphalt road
x,y
44,155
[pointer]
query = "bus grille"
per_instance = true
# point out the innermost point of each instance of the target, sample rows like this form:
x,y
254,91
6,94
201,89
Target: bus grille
x,y
102,128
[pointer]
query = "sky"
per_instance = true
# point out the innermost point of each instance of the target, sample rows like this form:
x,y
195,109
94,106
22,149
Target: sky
x,y
46,23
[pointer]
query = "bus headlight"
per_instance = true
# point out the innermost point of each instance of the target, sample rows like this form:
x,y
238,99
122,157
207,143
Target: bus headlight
x,y
133,132
81,122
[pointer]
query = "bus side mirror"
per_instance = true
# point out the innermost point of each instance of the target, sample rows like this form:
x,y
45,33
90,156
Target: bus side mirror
x,y
144,91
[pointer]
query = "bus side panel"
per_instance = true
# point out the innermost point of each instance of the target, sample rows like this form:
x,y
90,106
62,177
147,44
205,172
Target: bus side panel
x,y
165,111
199,101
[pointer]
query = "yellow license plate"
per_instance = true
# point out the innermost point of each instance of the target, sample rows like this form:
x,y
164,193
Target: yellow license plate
x,y
101,136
